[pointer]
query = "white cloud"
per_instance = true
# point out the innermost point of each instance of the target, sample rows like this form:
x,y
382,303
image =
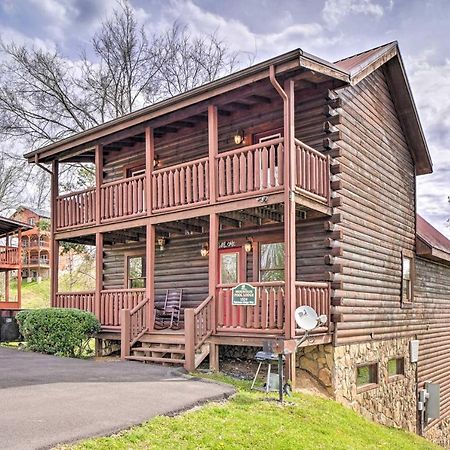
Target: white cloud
x,y
334,11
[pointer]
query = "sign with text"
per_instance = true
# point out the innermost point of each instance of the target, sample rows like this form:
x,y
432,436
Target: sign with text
x,y
243,294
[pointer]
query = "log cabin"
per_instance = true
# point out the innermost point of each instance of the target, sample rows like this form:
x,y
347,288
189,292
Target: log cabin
x,y
11,261
295,175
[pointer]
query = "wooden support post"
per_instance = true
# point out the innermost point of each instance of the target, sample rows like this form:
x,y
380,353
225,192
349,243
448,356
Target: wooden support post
x,y
150,273
125,325
212,266
213,144
19,271
149,161
214,357
98,273
54,244
98,182
189,346
289,223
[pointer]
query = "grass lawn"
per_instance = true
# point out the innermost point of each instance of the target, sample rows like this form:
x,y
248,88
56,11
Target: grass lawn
x,y
248,421
34,294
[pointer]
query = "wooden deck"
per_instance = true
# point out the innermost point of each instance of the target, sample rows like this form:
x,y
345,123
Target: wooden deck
x,y
238,174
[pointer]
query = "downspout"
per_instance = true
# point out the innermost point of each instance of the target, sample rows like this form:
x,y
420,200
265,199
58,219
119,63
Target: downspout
x,y
277,85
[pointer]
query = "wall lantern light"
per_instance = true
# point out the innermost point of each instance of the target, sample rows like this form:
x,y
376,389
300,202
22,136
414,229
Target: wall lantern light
x,y
155,162
248,246
239,137
204,250
162,243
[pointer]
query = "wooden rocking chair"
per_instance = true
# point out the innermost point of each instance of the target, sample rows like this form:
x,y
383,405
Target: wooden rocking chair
x,y
168,316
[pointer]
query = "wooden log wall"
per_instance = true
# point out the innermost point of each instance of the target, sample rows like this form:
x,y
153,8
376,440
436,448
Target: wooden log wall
x,y
432,304
374,214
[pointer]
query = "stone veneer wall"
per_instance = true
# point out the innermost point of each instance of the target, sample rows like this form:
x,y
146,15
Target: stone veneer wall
x,y
317,360
439,433
391,402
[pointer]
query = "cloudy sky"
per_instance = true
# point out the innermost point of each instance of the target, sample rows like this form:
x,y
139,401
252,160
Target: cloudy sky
x,y
331,29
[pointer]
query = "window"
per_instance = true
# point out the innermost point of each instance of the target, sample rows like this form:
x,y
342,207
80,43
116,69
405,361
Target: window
x,y
135,171
407,293
31,221
367,375
271,262
136,272
396,367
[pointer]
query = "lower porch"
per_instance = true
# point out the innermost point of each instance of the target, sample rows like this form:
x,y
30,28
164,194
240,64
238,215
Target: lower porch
x,y
133,279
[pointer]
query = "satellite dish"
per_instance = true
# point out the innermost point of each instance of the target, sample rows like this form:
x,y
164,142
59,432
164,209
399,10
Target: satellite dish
x,y
307,318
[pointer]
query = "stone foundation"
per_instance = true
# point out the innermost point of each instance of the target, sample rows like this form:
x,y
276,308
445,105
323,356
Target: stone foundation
x,y
317,361
392,401
106,347
439,433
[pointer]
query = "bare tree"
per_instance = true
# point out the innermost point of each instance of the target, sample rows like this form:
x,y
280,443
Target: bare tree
x,y
45,97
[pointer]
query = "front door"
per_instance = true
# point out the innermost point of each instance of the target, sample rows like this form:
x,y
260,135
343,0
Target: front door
x,y
231,262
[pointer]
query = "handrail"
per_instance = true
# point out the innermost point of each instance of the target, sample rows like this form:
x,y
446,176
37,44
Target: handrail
x,y
84,191
310,149
122,180
249,148
76,293
139,306
180,165
202,304
134,324
256,284
317,284
110,291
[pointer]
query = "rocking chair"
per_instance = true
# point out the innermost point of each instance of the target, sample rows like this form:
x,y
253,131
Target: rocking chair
x,y
168,316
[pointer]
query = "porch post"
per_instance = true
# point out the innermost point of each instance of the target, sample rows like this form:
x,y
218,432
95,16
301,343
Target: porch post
x,y
213,145
19,272
213,279
54,244
289,223
150,273
98,182
149,158
8,261
98,272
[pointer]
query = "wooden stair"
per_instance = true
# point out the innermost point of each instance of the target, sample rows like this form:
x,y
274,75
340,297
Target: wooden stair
x,y
167,348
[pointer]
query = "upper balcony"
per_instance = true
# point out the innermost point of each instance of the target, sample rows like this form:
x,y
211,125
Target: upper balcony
x,y
241,173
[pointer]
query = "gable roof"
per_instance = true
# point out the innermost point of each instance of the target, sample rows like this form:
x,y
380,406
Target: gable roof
x,y
361,65
430,242
348,71
39,212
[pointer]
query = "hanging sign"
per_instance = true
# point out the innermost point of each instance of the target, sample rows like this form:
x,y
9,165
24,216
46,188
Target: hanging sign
x,y
243,294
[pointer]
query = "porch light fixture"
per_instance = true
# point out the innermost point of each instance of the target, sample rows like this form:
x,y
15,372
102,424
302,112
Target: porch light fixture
x,y
248,246
155,162
162,243
204,250
239,137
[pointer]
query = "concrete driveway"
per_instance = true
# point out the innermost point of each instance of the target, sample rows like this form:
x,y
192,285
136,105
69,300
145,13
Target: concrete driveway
x,y
46,400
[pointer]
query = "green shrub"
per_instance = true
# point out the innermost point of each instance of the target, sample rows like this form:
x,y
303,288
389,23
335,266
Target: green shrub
x,y
58,331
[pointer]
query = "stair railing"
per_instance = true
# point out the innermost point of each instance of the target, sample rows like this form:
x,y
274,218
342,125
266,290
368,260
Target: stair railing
x,y
133,325
198,326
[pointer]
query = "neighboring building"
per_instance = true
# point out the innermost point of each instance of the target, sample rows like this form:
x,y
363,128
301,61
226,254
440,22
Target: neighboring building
x,y
297,176
10,262
35,243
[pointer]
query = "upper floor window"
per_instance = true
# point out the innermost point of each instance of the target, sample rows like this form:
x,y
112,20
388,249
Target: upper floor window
x,y
407,285
271,262
32,221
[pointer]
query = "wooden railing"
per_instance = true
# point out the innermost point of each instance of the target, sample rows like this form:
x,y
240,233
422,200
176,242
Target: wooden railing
x,y
123,198
312,171
199,325
255,168
113,301
76,208
266,316
316,295
134,324
181,185
79,300
9,255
